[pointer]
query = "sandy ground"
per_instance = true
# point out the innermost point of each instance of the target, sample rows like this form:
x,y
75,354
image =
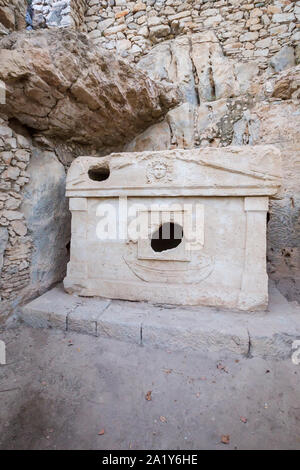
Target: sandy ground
x,y
70,391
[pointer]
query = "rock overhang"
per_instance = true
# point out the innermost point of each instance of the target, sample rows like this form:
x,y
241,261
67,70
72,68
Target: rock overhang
x,y
61,85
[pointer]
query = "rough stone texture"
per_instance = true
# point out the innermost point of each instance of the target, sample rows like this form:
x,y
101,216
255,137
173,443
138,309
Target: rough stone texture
x,y
15,243
285,58
246,29
34,218
224,191
56,81
268,335
53,101
250,109
226,74
3,244
57,13
46,213
12,15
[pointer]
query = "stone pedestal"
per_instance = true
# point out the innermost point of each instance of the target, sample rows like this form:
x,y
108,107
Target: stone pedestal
x,y
185,227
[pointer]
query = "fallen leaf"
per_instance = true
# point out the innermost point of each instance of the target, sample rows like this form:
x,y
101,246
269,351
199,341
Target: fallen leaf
x,y
148,395
100,433
163,419
225,439
222,367
243,419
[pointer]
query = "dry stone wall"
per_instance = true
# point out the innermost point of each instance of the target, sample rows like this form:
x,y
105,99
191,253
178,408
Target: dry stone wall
x,y
12,15
247,29
59,13
34,218
15,243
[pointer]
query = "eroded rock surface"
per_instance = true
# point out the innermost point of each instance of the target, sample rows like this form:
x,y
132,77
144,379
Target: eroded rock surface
x,y
45,208
56,81
12,15
232,103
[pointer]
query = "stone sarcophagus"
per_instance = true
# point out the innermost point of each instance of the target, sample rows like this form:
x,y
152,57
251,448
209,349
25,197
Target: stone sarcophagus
x,y
185,227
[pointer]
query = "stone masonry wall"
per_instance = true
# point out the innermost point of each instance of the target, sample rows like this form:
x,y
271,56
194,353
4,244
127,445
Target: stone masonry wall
x,y
12,15
246,29
15,244
59,13
34,218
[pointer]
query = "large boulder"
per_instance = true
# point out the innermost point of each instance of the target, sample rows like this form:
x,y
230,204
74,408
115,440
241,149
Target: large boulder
x,y
59,84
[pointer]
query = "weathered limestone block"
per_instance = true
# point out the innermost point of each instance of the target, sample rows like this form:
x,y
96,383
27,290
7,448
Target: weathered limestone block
x,y
197,64
47,218
285,85
285,58
12,15
157,137
171,62
216,200
57,80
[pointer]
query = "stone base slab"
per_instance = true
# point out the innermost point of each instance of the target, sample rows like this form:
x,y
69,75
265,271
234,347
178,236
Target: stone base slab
x,y
268,335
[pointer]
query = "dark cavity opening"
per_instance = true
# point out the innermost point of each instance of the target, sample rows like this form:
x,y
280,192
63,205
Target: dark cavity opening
x,y
99,174
167,237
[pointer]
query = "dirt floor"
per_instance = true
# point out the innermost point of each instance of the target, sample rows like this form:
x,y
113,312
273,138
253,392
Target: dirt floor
x,y
71,391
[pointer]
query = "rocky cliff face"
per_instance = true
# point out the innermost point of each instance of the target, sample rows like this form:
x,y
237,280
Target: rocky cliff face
x,y
227,102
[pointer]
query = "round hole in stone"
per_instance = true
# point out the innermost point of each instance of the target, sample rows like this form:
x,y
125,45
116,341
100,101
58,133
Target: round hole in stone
x,y
167,237
99,173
